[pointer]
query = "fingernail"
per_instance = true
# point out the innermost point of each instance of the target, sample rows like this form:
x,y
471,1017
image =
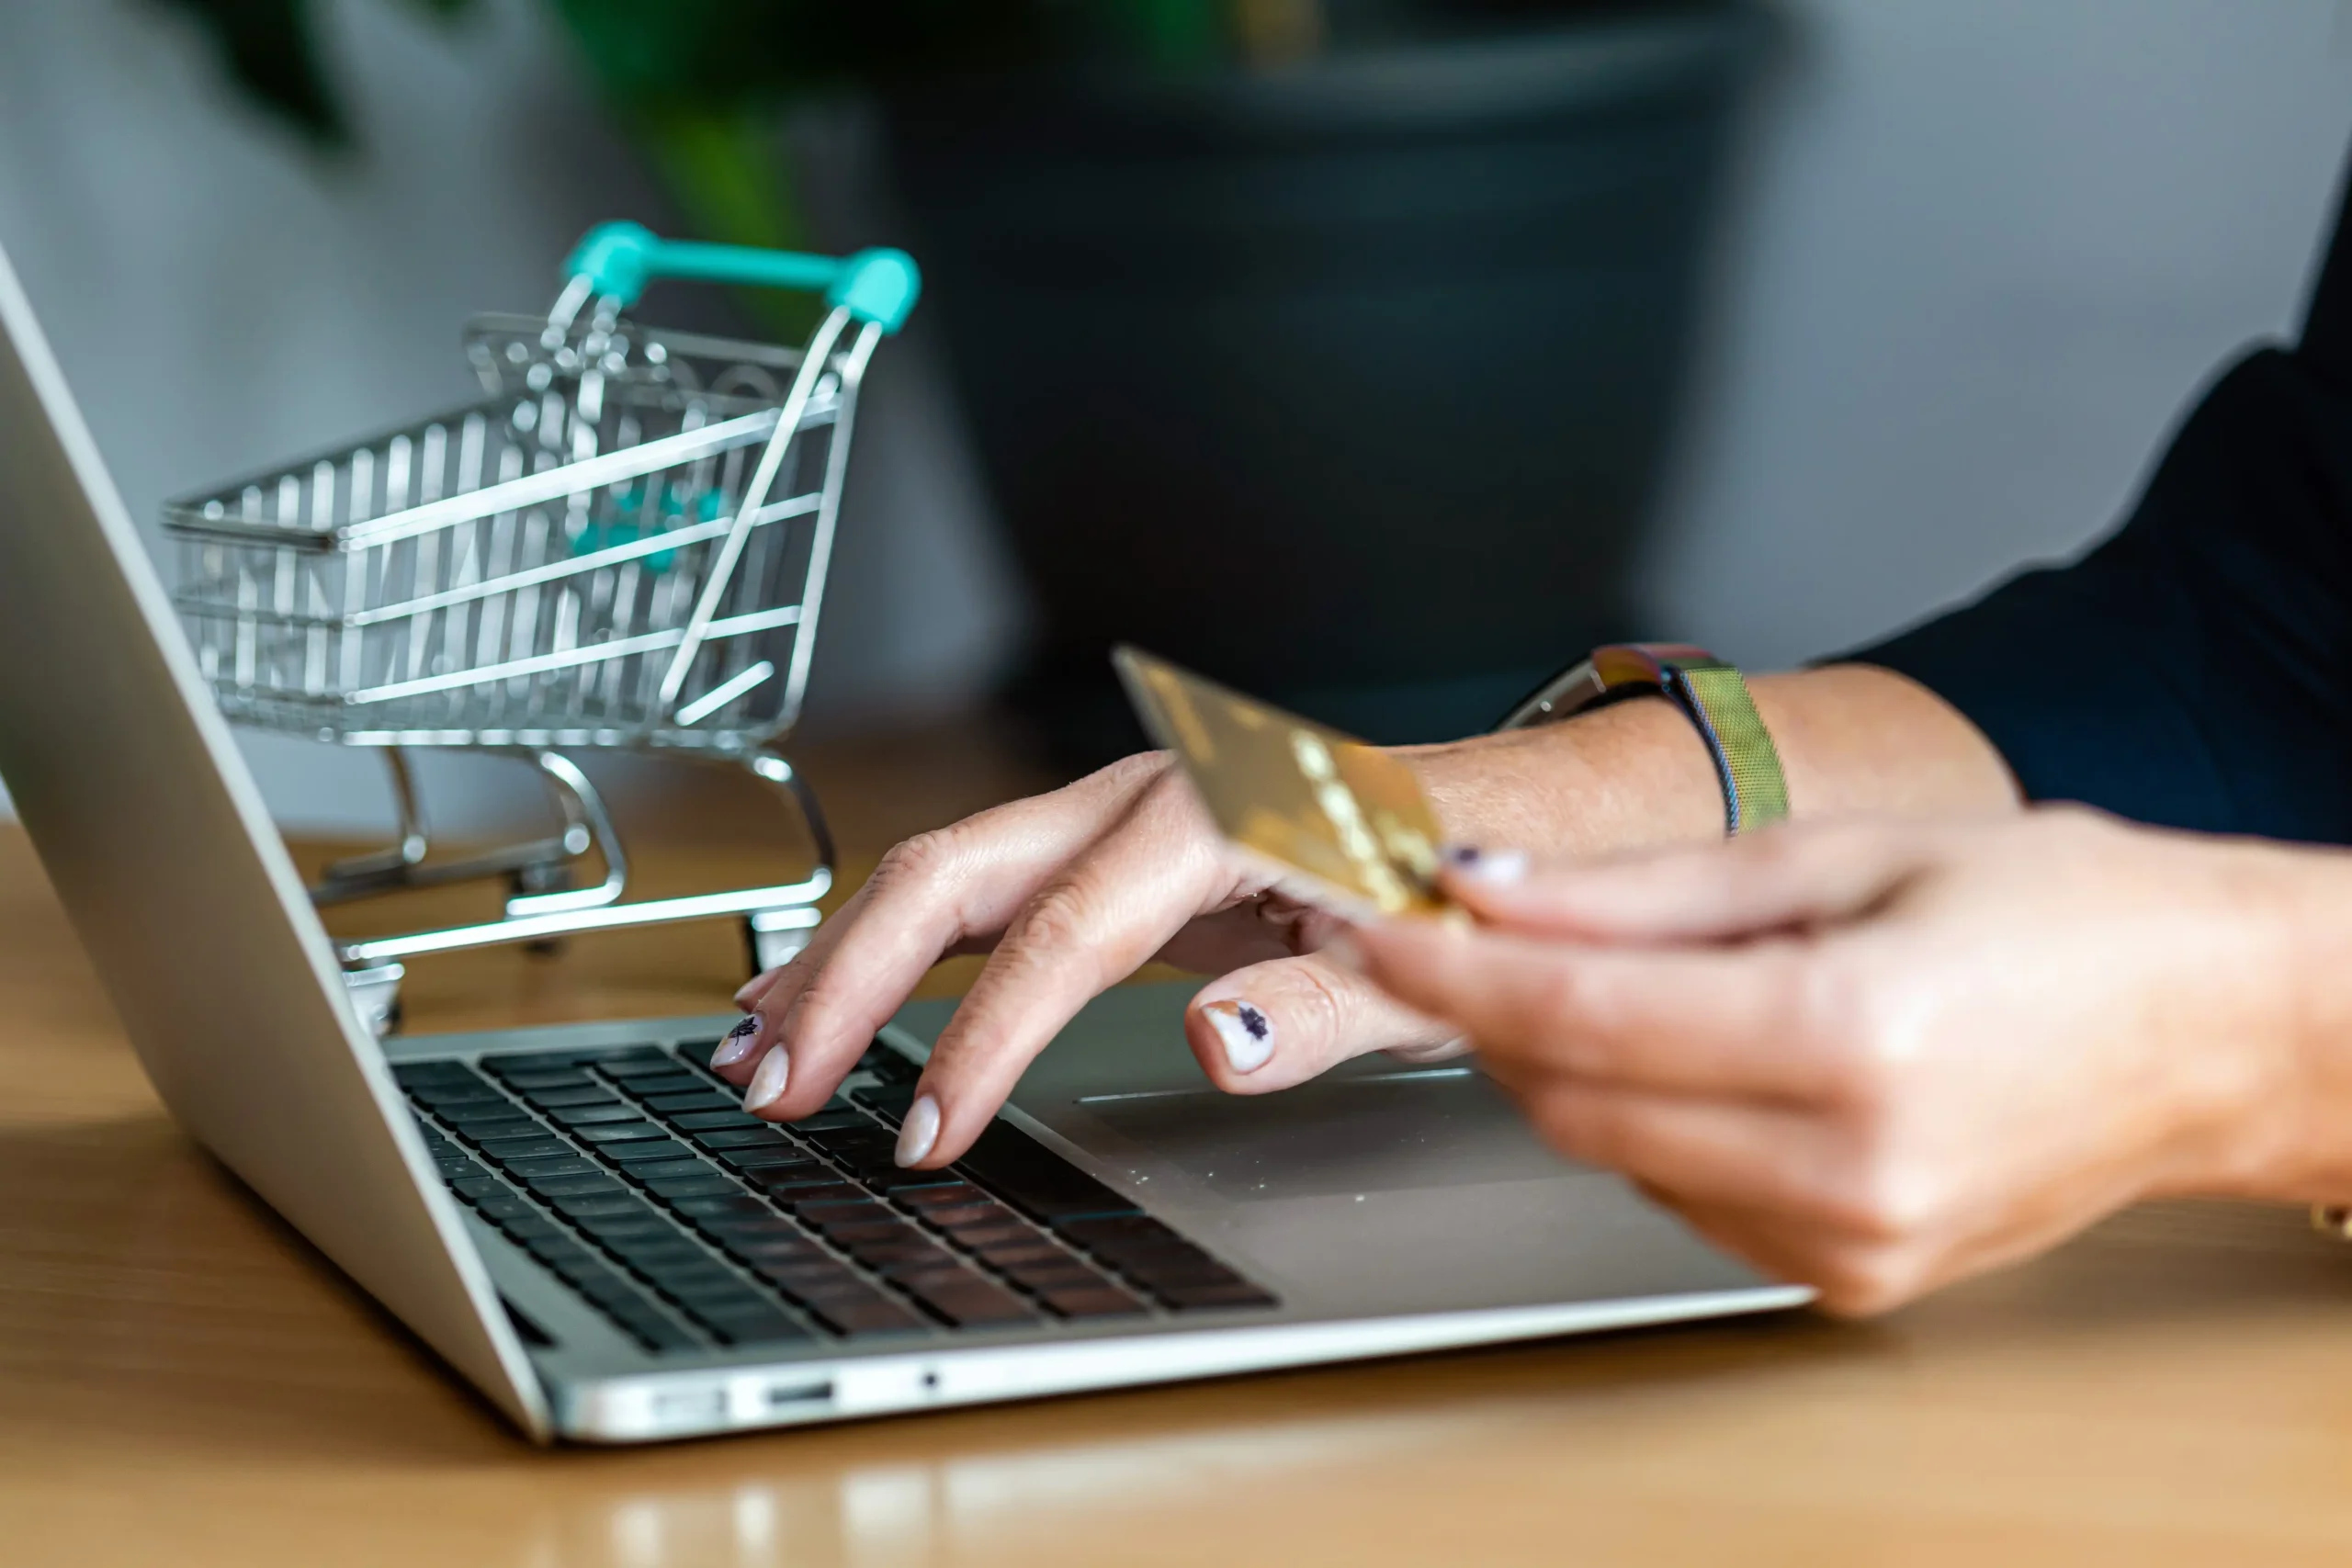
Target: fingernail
x,y
754,989
767,1083
1247,1034
1487,865
739,1041
919,1131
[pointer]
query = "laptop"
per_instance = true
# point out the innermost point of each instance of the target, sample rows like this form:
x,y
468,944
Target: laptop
x,y
582,1220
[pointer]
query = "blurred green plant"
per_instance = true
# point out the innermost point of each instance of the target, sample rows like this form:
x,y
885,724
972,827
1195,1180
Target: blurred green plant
x,y
699,84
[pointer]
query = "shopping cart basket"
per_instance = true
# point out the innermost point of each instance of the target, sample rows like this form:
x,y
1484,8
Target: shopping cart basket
x,y
622,545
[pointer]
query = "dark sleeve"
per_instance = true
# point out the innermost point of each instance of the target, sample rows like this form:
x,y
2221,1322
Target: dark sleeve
x,y
2195,669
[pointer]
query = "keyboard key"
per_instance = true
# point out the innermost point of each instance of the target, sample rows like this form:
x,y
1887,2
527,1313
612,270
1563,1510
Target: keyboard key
x,y
1094,1302
511,1141
619,1132
589,1115
696,1099
767,1326
673,1080
980,1238
964,1300
506,1121
456,1103
858,1136
774,1252
547,1079
507,1062
1033,1177
642,1223
669,1171
721,1207
564,1164
938,1194
707,1183
818,1281
607,1201
506,1151
1241,1293
475,1188
653,1331
656,1256
592,1186
1013,1255
698,1121
759,1137
472,1092
967,1216
1045,1279
777,1157
707,1298
797,1196
868,1317
829,1120
902,1253
647,1151
636,1062
587,1094
410,1074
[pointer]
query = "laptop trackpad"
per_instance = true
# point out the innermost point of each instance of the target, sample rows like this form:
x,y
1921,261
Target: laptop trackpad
x,y
1389,1131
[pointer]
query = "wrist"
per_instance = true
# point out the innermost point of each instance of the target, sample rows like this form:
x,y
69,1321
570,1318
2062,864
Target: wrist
x,y
1632,774
2292,1142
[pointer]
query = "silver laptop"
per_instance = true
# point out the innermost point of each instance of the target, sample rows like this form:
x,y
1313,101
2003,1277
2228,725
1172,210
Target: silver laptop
x,y
586,1227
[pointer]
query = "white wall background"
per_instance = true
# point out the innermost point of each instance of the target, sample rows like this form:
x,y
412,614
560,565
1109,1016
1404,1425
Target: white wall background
x,y
1985,249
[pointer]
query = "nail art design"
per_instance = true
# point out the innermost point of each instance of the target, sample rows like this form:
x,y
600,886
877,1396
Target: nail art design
x,y
1245,1031
738,1041
919,1131
1487,865
767,1083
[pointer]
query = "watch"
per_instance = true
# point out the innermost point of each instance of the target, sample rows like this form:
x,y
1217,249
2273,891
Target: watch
x,y
1711,692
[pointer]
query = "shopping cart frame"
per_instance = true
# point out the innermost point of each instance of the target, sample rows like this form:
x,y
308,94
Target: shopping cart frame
x,y
341,550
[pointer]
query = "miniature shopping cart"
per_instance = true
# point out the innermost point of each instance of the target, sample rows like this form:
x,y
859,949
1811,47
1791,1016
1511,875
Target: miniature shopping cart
x,y
622,545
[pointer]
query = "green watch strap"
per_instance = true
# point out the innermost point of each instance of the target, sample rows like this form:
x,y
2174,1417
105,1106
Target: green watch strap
x,y
1714,695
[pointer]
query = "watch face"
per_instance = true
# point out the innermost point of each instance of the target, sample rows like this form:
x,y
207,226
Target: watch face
x,y
1341,823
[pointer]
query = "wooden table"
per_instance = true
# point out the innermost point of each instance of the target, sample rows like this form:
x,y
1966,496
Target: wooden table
x,y
182,1381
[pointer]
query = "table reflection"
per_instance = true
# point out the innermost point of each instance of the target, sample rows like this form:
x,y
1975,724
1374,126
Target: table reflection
x,y
1034,1505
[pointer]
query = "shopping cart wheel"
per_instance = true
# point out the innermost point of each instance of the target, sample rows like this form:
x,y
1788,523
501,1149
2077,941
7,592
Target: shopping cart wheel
x,y
541,876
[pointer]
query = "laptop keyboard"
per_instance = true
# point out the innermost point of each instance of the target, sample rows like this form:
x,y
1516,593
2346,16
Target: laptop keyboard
x,y
636,1178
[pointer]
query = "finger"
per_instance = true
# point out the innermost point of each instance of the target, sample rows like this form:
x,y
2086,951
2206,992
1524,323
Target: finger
x,y
1095,924
1795,876
929,895
1731,1022
1775,1160
1776,1248
1275,1025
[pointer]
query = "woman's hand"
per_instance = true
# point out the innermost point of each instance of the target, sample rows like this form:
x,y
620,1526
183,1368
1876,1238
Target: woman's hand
x,y
1069,893
1878,1058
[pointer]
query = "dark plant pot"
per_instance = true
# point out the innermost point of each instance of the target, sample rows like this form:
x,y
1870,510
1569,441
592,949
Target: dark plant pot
x,y
1348,384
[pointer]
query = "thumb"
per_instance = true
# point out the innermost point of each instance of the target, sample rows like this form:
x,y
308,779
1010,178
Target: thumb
x,y
1791,876
1275,1025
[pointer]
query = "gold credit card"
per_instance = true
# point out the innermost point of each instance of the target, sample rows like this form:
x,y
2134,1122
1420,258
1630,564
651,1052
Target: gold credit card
x,y
1345,822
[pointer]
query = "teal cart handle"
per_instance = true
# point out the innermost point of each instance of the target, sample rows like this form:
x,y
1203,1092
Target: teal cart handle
x,y
621,259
